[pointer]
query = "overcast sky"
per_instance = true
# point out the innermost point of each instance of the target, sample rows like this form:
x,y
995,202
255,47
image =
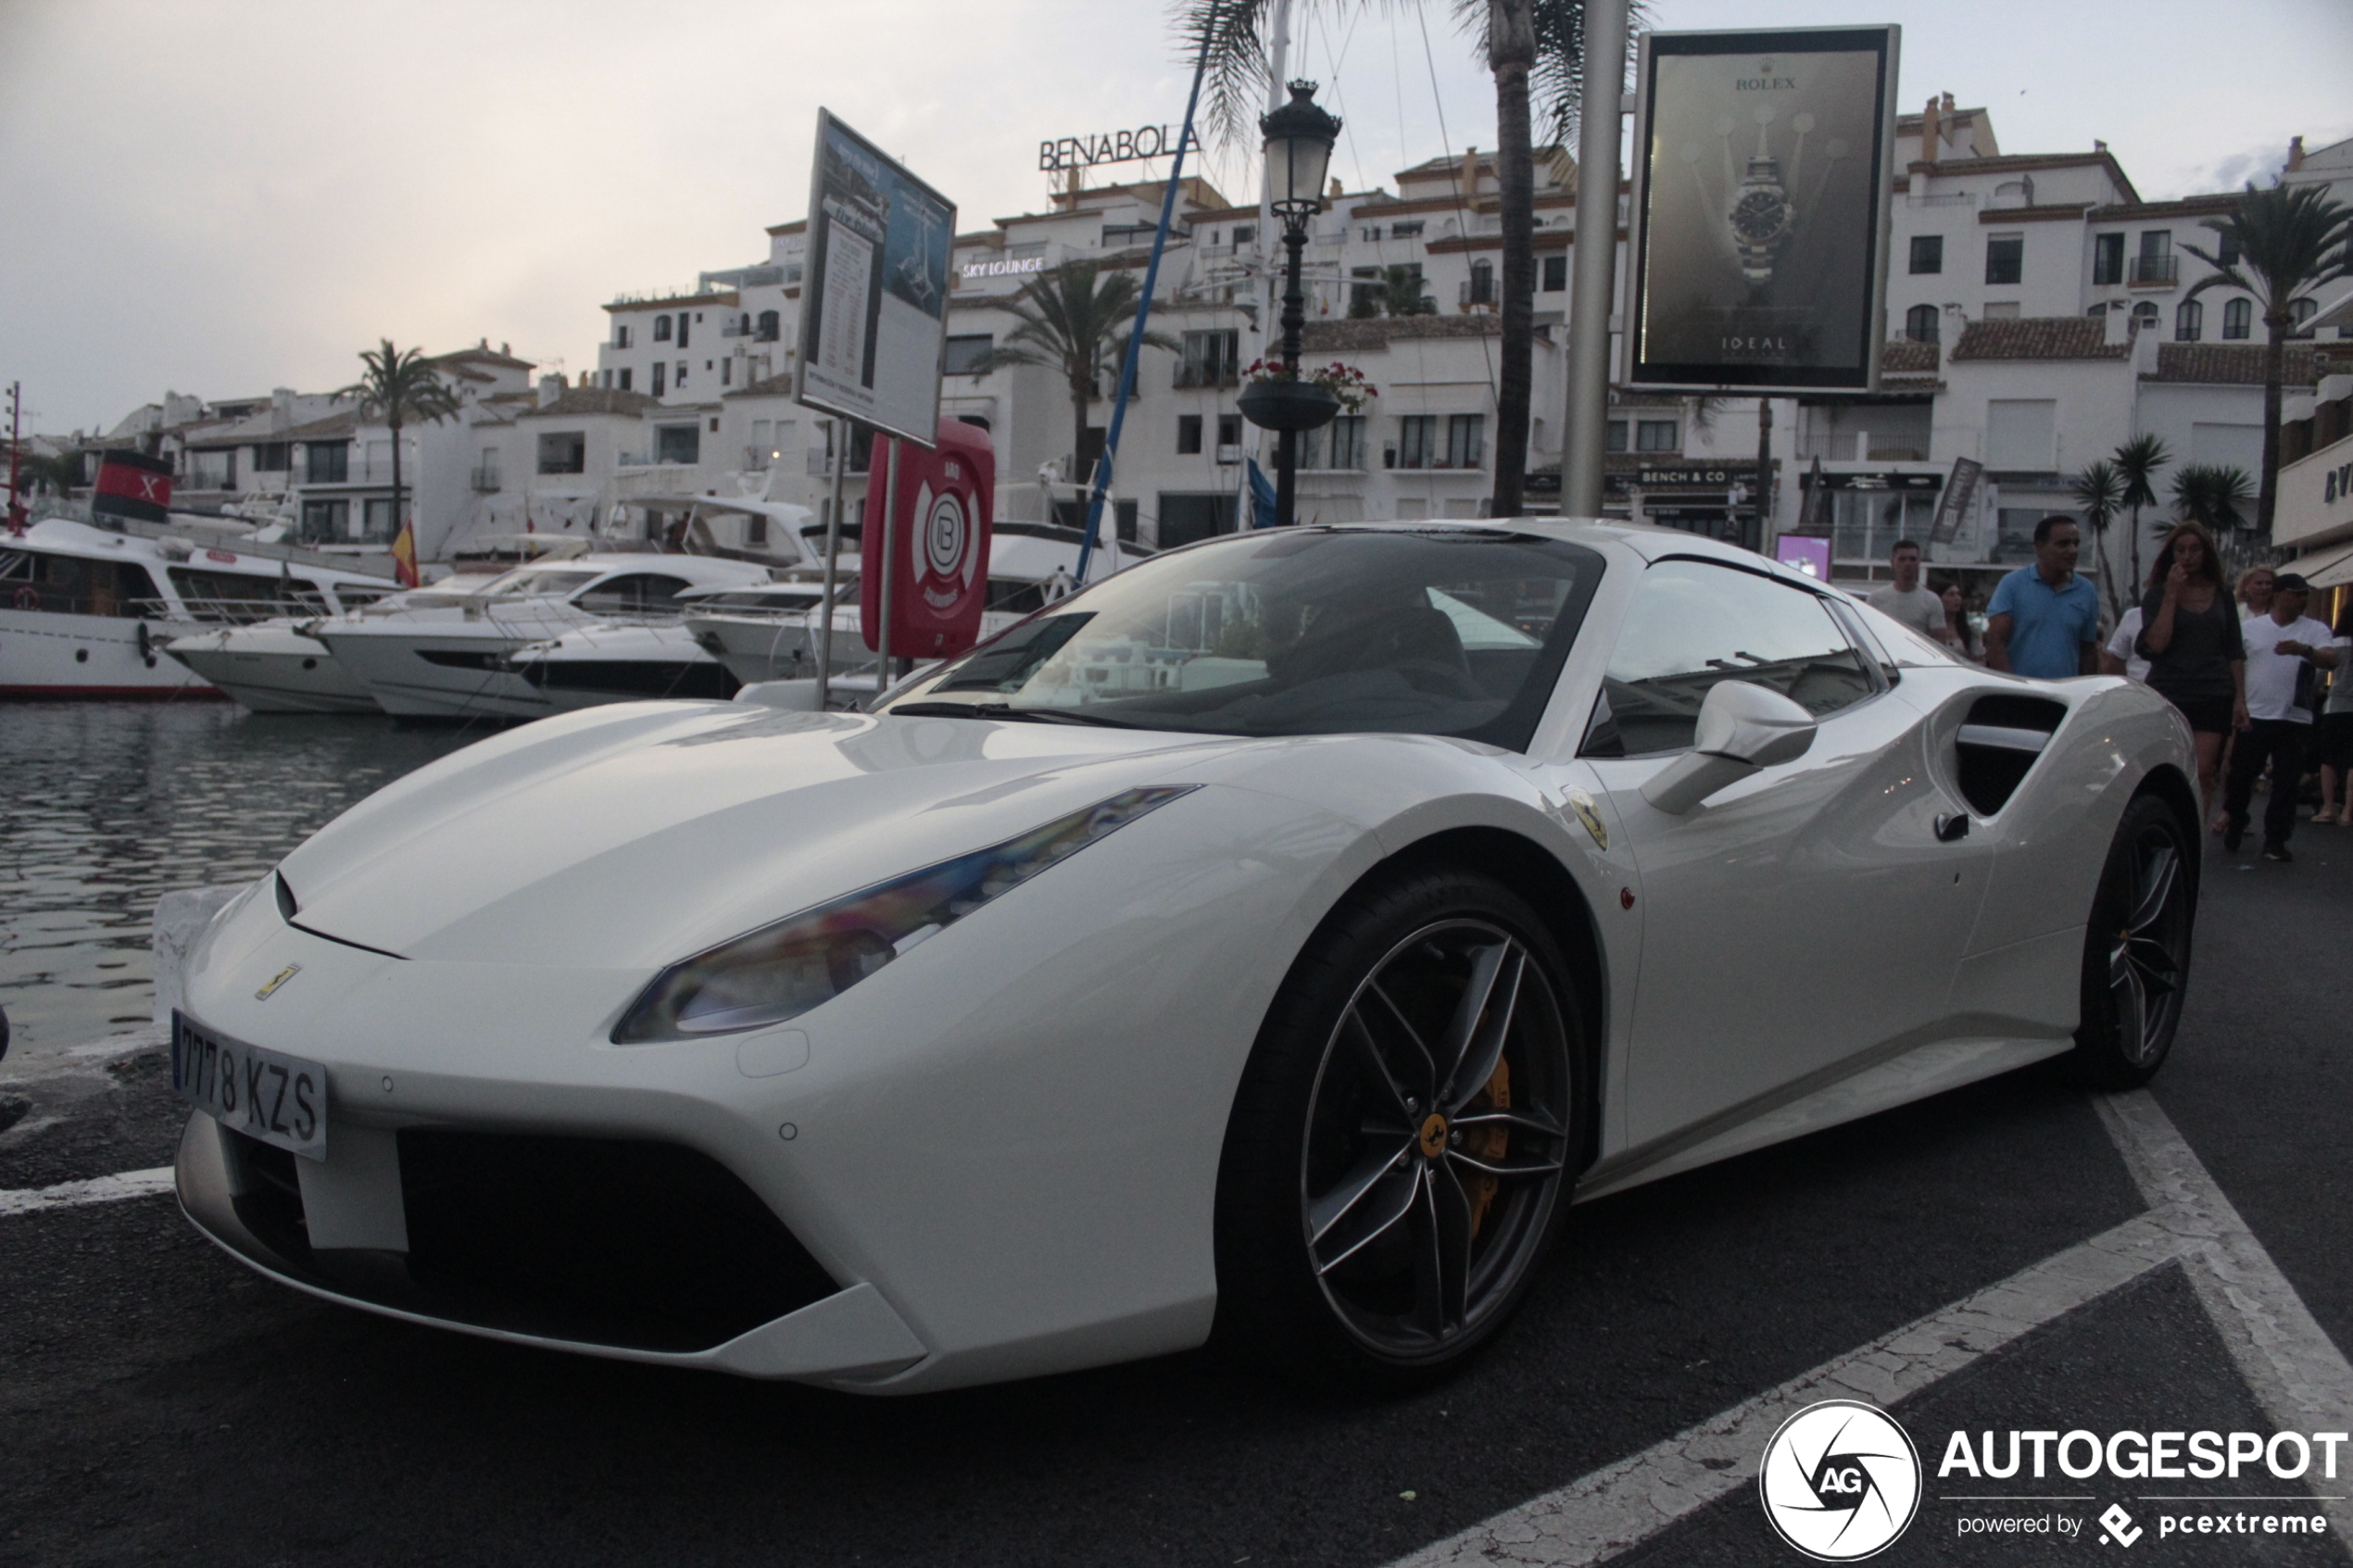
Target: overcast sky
x,y
221,196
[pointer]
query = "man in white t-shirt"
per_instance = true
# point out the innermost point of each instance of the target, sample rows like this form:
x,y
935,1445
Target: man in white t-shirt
x,y
2121,656
2285,651
1906,599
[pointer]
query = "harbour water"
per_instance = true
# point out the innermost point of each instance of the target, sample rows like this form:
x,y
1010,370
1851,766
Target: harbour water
x,y
106,805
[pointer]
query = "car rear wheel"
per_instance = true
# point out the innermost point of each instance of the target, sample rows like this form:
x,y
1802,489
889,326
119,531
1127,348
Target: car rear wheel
x,y
2136,950
1404,1139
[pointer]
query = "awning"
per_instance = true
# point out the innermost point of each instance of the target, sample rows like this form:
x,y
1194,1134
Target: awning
x,y
2331,566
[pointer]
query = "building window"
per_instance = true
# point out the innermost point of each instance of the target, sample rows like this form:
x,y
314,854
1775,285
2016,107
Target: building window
x,y
662,329
1229,430
565,451
2189,322
1211,358
1928,253
1405,230
624,378
680,379
1466,441
2108,258
969,356
2005,259
1187,435
682,329
1616,442
621,334
2238,317
1919,323
325,522
727,372
1417,441
1245,234
1555,274
1345,437
2298,312
2155,264
2145,316
661,369
2001,310
766,332
2226,248
676,443
211,471
485,474
274,456
1482,284
329,462
1655,435
377,526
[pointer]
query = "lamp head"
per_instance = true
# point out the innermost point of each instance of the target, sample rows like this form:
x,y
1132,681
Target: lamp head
x,y
1299,150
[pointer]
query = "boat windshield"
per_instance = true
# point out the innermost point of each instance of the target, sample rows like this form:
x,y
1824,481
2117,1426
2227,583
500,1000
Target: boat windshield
x,y
536,583
1310,631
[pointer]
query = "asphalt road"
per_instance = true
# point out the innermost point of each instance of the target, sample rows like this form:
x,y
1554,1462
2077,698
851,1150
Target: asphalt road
x,y
159,1403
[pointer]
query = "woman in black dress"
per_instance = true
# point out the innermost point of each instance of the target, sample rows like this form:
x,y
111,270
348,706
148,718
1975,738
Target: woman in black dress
x,y
2190,635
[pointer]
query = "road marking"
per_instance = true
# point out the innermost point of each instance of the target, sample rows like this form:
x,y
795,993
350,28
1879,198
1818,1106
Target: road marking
x,y
2300,1378
97,1189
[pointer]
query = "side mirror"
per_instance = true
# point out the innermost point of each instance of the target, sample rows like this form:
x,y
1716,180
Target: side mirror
x,y
1743,728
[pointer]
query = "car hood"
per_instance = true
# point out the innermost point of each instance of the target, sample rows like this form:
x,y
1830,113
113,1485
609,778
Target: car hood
x,y
632,835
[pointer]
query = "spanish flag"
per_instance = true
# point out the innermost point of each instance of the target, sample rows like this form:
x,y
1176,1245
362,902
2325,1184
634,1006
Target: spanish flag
x,y
404,554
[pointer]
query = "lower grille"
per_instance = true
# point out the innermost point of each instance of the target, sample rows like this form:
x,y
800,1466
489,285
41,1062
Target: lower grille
x,y
601,1241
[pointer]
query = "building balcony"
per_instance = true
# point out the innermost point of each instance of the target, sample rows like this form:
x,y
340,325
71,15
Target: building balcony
x,y
1208,375
1862,446
485,479
2156,271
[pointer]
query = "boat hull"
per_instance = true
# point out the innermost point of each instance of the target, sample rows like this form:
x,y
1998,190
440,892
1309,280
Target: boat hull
x,y
49,655
274,670
416,674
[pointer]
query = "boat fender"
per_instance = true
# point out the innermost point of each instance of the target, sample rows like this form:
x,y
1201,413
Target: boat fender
x,y
146,648
28,598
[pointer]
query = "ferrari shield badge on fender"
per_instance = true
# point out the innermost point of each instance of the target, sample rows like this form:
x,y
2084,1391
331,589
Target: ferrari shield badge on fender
x,y
277,980
1582,804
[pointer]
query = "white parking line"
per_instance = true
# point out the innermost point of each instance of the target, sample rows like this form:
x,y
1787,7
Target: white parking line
x,y
97,1189
2298,1377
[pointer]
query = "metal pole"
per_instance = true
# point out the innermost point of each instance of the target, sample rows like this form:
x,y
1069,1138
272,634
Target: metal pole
x,y
1764,472
1262,242
1596,240
1294,320
1143,314
16,446
837,437
889,559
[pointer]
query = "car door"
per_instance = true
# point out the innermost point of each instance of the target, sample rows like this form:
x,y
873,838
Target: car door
x,y
1807,916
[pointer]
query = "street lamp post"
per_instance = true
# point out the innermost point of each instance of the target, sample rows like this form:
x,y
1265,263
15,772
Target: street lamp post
x,y
1299,150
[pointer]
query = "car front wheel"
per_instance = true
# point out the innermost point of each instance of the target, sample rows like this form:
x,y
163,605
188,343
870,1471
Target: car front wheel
x,y
2136,950
1403,1139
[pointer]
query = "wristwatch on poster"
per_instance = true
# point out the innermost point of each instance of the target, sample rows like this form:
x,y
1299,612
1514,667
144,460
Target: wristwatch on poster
x,y
1760,219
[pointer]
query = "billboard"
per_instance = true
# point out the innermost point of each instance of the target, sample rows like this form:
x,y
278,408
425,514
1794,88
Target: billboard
x,y
873,303
1758,239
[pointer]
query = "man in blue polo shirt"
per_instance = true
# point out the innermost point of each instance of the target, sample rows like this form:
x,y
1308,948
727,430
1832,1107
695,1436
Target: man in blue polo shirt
x,y
2043,620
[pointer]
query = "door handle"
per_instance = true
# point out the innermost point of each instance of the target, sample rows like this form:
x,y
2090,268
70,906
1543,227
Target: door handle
x,y
1952,828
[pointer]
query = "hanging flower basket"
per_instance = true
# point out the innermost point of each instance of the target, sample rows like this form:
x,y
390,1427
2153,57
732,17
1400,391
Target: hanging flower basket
x,y
1288,405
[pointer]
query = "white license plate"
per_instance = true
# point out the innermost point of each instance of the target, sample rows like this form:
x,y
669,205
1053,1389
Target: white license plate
x,y
268,1095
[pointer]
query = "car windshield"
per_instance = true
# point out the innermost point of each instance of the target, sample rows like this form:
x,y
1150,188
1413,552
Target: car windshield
x,y
1309,631
536,583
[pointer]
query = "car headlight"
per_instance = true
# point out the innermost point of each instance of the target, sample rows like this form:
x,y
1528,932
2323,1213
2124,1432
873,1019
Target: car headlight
x,y
782,970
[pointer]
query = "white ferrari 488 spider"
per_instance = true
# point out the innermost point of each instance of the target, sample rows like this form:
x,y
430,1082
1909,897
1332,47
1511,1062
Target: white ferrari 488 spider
x,y
1267,943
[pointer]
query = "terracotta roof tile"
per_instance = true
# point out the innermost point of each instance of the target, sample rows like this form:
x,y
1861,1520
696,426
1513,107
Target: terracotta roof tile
x,y
2037,338
1379,332
579,401
1905,357
772,386
2229,364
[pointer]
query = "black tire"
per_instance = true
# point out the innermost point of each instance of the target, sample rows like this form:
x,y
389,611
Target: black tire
x,y
2136,950
1459,1174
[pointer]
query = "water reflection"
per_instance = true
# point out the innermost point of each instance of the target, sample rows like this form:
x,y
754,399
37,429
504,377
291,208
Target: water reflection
x,y
106,805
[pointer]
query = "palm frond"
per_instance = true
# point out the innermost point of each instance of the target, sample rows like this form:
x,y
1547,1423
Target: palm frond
x,y
1233,86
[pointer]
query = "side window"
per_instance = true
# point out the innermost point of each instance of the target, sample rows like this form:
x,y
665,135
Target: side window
x,y
1693,623
638,593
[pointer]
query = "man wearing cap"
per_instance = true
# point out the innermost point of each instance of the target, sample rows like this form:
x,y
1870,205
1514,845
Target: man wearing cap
x,y
2285,651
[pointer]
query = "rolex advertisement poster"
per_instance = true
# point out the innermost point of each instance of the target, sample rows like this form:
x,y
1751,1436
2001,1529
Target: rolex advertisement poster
x,y
1760,209
873,306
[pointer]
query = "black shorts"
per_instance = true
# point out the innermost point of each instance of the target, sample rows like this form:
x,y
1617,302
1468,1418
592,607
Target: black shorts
x,y
2208,715
2332,744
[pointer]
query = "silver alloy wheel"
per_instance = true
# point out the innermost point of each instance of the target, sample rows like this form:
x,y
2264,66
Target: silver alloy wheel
x,y
1436,1138
2149,949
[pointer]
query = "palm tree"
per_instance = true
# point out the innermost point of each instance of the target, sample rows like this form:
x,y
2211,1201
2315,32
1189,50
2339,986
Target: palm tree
x,y
2100,490
1398,292
2291,239
2136,464
401,387
55,472
1538,42
1072,319
2213,494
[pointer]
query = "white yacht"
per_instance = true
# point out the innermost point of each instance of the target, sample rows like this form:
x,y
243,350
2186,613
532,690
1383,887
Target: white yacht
x,y
280,666
769,634
457,667
87,612
603,662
